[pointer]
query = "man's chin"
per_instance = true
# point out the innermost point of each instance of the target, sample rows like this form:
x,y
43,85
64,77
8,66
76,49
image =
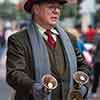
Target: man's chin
x,y
53,23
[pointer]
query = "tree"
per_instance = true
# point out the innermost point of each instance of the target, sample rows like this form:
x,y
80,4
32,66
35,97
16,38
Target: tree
x,y
8,11
70,11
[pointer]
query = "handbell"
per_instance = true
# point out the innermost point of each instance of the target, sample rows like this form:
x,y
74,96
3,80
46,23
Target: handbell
x,y
80,77
49,82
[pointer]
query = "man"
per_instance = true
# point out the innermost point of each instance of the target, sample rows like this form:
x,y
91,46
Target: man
x,y
33,52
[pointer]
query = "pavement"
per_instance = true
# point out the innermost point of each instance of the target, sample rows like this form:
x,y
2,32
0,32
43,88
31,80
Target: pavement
x,y
5,93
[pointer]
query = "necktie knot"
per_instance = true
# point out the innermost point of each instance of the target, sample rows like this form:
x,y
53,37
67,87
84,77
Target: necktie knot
x,y
51,40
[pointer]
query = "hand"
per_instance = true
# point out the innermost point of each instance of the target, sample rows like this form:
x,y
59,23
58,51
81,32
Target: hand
x,y
84,91
38,93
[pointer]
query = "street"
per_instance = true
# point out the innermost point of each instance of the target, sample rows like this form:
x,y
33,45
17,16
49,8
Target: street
x,y
4,90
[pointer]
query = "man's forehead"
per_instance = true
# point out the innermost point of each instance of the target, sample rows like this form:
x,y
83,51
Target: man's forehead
x,y
48,3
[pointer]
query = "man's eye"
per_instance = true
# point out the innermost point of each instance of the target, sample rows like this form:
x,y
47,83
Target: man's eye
x,y
53,7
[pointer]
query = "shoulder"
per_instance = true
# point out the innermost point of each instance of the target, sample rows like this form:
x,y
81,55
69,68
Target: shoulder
x,y
22,34
19,38
72,38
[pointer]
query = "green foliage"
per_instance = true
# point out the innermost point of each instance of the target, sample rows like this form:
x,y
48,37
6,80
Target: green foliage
x,y
98,16
69,11
8,11
21,15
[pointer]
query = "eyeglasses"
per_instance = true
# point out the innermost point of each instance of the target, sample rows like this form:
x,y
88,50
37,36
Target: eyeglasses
x,y
53,7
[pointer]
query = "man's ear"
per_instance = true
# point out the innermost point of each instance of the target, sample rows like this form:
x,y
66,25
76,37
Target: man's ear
x,y
35,9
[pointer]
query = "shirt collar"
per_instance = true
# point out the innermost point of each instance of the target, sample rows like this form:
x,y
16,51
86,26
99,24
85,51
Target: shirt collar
x,y
42,30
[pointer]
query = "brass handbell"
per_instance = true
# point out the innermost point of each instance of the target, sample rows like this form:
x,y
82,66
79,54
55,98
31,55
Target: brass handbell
x,y
75,94
49,82
80,78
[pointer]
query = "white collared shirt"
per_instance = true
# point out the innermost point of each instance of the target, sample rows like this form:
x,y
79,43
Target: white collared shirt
x,y
42,31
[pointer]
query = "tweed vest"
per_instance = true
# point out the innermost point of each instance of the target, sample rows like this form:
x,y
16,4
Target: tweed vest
x,y
58,68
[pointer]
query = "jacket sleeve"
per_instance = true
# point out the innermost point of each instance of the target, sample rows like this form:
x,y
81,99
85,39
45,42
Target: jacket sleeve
x,y
81,64
16,75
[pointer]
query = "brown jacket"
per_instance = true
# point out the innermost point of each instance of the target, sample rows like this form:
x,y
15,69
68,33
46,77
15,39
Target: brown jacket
x,y
20,65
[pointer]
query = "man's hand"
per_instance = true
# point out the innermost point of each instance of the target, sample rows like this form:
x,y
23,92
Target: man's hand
x,y
38,93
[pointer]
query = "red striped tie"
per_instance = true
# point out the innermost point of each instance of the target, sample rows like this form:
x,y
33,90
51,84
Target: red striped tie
x,y
51,40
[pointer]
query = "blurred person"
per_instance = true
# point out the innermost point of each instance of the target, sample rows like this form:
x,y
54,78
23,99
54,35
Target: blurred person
x,y
2,35
10,28
96,58
15,26
42,48
73,31
79,36
7,29
2,51
79,32
23,24
81,41
90,33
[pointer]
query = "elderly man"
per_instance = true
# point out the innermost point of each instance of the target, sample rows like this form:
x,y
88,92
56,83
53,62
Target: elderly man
x,y
42,48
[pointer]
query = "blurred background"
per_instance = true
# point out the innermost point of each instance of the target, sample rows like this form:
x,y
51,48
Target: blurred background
x,y
78,19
